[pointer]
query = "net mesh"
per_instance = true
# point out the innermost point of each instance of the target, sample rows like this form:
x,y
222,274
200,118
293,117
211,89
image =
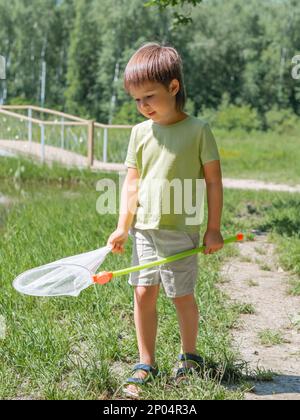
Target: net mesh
x,y
65,277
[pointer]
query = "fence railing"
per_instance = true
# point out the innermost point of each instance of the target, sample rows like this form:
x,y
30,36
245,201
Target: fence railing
x,y
85,137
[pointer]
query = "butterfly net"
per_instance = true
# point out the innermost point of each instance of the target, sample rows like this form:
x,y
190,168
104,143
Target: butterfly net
x,y
65,277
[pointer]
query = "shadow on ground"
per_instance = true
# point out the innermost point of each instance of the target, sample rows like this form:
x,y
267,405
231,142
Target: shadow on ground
x,y
282,385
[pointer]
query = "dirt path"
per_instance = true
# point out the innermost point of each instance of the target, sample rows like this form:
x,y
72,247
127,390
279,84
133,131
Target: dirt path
x,y
55,154
256,278
68,158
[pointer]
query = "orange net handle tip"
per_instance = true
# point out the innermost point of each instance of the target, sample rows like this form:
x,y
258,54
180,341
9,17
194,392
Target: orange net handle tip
x,y
103,277
239,236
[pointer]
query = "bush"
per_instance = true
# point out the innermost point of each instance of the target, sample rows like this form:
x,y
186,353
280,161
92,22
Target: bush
x,y
238,117
209,115
127,114
232,117
189,107
20,100
282,120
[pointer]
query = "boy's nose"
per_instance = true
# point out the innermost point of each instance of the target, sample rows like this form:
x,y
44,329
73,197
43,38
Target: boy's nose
x,y
144,105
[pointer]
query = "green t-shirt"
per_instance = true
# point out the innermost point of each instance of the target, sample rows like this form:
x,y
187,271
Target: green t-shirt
x,y
170,159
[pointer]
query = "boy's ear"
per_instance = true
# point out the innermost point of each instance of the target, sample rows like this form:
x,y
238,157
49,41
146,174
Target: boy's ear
x,y
174,87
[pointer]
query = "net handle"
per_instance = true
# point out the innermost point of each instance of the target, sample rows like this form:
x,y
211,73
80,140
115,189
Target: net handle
x,y
105,277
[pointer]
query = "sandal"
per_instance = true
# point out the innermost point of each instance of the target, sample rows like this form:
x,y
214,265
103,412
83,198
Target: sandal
x,y
183,372
151,374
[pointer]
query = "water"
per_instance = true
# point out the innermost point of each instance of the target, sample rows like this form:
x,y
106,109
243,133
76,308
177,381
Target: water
x,y
5,153
4,201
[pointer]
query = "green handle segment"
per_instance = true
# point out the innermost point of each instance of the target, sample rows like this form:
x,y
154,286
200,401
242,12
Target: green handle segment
x,y
175,257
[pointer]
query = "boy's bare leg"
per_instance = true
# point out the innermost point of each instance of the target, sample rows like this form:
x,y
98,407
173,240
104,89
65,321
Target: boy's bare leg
x,y
145,317
188,318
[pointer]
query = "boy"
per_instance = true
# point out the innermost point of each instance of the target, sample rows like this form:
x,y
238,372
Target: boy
x,y
169,146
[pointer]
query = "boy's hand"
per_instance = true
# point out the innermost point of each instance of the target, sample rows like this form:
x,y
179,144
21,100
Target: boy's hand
x,y
213,241
117,240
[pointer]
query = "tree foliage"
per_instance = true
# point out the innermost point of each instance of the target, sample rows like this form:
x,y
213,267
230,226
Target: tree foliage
x,y
239,49
179,18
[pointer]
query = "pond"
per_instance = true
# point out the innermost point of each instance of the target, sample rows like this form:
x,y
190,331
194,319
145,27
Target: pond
x,y
4,201
5,153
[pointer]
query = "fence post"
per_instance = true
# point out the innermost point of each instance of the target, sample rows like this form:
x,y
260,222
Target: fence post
x,y
91,133
105,143
62,133
42,143
30,125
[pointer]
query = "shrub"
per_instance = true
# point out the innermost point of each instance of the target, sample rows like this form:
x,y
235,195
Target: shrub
x,y
209,115
232,117
127,114
282,120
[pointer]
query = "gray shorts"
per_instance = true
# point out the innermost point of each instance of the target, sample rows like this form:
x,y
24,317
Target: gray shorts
x,y
178,277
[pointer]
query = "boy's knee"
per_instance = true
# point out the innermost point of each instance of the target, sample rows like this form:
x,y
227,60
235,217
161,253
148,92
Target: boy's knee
x,y
146,294
183,301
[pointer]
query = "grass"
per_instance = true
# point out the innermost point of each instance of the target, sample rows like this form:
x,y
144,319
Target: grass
x,y
263,375
260,250
252,155
252,283
294,289
66,348
279,215
270,338
244,308
244,258
295,322
18,171
265,267
243,155
288,247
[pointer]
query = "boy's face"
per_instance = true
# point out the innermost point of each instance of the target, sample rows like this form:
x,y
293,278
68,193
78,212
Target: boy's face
x,y
155,101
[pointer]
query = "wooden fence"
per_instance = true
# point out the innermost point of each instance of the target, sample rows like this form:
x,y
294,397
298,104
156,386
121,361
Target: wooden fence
x,y
63,120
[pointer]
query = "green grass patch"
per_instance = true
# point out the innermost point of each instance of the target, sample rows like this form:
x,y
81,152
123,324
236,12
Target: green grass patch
x,y
270,338
67,348
252,283
244,308
265,267
17,171
266,156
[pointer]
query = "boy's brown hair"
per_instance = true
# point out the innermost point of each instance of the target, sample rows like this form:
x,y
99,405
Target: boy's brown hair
x,y
156,63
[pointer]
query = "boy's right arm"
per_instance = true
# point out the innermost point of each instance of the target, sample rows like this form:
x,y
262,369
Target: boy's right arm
x,y
129,198
128,205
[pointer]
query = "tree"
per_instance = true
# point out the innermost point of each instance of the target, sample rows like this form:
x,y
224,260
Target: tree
x,y
81,94
182,17
80,48
121,36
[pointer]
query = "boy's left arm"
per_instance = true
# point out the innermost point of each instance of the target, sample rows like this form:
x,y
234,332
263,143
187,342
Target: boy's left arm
x,y
213,239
